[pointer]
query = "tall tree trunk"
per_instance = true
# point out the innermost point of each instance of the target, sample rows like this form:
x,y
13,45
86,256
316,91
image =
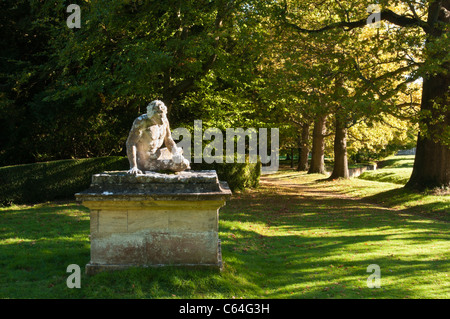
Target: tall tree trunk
x,y
340,168
432,161
318,147
304,148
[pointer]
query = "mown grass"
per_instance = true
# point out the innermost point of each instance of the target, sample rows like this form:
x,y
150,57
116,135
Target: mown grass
x,y
394,169
394,173
296,236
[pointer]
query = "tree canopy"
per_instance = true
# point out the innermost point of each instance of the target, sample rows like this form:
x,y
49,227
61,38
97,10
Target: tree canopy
x,y
73,93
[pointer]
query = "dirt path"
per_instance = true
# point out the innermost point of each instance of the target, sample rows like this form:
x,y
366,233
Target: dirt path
x,y
383,197
314,190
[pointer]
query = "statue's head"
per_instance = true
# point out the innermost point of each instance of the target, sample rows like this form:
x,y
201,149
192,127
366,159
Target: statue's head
x,y
157,109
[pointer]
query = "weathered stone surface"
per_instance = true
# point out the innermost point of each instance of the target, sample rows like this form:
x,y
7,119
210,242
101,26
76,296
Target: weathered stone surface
x,y
144,144
114,185
154,219
156,248
92,269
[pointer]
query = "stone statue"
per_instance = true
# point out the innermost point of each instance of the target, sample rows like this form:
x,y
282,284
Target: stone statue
x,y
148,133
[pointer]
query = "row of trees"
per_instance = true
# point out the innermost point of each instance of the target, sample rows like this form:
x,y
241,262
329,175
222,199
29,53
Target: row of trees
x,y
312,69
412,45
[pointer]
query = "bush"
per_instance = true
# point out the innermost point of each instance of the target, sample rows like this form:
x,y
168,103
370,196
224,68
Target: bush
x,y
41,182
238,175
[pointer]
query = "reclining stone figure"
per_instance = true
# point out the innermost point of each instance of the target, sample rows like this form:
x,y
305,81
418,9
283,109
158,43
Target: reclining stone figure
x,y
147,135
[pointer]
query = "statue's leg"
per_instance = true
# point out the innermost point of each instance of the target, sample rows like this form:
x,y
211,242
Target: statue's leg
x,y
163,161
164,154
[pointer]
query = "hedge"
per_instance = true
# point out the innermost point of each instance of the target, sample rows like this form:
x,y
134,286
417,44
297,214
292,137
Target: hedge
x,y
238,175
41,182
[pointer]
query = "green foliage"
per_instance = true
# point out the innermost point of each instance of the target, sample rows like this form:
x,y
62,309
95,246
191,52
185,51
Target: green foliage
x,y
73,93
377,139
239,176
41,182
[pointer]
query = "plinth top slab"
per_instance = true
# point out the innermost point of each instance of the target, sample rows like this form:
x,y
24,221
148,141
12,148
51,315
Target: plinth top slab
x,y
185,185
185,177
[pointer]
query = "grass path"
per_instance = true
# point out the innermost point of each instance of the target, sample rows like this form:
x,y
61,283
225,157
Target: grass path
x,y
296,236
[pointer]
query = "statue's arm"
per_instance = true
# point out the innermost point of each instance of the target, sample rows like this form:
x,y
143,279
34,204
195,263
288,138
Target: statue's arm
x,y
177,152
169,142
133,138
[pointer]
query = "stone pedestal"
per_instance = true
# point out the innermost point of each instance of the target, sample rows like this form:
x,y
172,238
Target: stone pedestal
x,y
154,219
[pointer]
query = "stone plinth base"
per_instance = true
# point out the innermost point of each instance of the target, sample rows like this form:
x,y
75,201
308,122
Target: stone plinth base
x,y
92,269
154,219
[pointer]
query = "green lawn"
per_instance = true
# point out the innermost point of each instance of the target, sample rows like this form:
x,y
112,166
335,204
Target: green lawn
x,y
394,169
296,236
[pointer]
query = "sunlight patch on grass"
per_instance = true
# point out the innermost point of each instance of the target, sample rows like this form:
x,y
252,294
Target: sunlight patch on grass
x,y
296,236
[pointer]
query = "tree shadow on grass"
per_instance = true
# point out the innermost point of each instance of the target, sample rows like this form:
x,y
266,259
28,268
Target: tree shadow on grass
x,y
310,267
427,204
432,208
309,246
37,243
274,245
43,221
397,162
